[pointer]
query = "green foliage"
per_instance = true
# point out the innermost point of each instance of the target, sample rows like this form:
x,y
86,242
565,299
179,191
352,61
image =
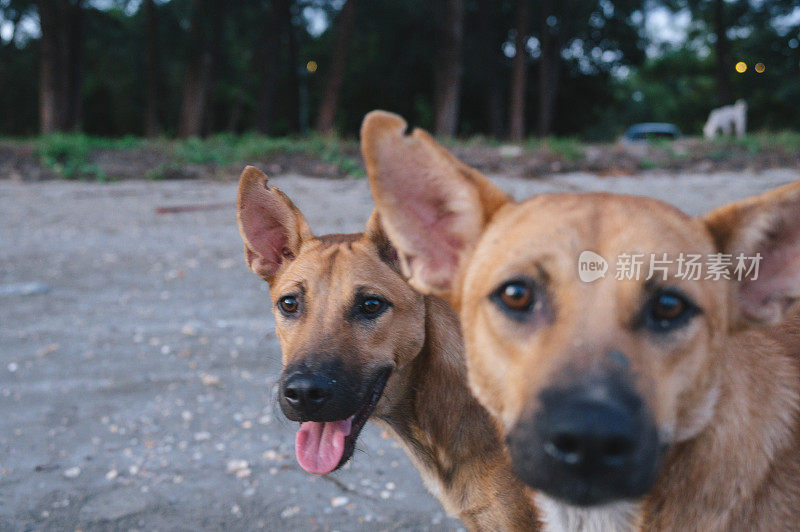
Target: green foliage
x,y
68,155
566,148
391,65
71,155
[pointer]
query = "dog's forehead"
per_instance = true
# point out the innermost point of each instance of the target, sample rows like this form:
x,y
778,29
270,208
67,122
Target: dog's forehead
x,y
338,266
556,229
598,219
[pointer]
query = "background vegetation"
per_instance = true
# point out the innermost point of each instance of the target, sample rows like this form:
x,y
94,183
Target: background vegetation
x,y
194,68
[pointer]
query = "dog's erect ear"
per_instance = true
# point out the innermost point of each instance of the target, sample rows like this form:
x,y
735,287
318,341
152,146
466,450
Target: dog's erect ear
x,y
433,207
375,234
272,228
767,226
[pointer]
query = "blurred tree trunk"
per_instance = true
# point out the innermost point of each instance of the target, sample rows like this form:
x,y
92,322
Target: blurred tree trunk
x,y
236,112
449,68
6,51
494,104
549,69
488,58
266,64
724,94
73,61
519,74
198,75
60,65
283,10
336,72
49,67
152,52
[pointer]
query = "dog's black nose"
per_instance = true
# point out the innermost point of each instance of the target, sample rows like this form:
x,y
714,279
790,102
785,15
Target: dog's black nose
x,y
590,435
307,393
588,443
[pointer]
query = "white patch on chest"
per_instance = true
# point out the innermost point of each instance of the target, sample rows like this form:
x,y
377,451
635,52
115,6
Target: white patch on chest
x,y
561,517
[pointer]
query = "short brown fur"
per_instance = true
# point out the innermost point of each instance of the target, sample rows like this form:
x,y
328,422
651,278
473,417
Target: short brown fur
x,y
724,389
426,404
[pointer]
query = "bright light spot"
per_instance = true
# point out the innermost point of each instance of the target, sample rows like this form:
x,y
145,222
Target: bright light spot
x,y
741,67
311,66
760,68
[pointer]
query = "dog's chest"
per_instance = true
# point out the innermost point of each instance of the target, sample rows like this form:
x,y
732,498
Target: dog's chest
x,y
560,517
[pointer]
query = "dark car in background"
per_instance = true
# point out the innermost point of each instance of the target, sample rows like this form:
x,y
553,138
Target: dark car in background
x,y
652,131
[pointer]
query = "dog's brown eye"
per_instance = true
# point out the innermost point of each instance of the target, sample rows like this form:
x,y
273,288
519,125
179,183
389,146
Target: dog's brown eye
x,y
517,296
668,310
668,307
371,306
288,304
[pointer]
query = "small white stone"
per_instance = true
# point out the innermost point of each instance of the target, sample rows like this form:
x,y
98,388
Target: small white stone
x,y
111,475
339,501
202,436
209,380
13,366
235,466
290,512
72,472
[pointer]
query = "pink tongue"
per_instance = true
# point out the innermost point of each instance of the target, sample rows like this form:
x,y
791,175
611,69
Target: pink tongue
x,y
320,445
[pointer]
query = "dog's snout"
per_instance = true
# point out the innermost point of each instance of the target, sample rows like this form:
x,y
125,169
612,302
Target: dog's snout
x,y
306,393
589,434
587,444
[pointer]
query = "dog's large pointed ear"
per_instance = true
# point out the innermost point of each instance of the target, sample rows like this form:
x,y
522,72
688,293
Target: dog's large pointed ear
x,y
433,207
272,228
764,230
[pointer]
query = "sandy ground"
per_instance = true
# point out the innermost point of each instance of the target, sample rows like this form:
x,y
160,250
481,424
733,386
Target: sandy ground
x,y
137,392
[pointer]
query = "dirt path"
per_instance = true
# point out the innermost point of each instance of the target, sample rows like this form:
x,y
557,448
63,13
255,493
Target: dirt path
x,y
136,392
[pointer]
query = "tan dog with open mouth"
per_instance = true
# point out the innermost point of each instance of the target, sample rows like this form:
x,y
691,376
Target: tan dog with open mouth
x,y
359,343
661,404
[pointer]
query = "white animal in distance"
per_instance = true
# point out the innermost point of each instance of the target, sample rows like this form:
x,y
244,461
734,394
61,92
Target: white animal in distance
x,y
727,120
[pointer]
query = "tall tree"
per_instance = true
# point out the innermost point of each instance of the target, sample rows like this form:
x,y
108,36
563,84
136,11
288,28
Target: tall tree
x,y
485,62
519,74
449,69
72,54
343,31
284,11
60,64
265,64
551,41
586,38
722,54
49,67
152,126
198,76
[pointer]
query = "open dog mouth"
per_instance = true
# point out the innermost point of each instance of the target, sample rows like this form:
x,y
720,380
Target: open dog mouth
x,y
325,446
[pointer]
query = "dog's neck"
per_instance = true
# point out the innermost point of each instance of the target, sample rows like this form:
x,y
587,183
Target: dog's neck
x,y
562,517
451,439
736,466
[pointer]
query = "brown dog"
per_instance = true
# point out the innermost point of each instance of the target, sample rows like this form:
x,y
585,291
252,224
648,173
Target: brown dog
x,y
653,401
359,343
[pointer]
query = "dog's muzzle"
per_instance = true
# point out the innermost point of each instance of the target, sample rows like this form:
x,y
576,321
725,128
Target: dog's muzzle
x,y
587,444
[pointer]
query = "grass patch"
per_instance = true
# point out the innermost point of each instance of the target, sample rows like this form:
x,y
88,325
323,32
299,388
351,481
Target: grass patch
x,y
70,154
567,149
226,149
